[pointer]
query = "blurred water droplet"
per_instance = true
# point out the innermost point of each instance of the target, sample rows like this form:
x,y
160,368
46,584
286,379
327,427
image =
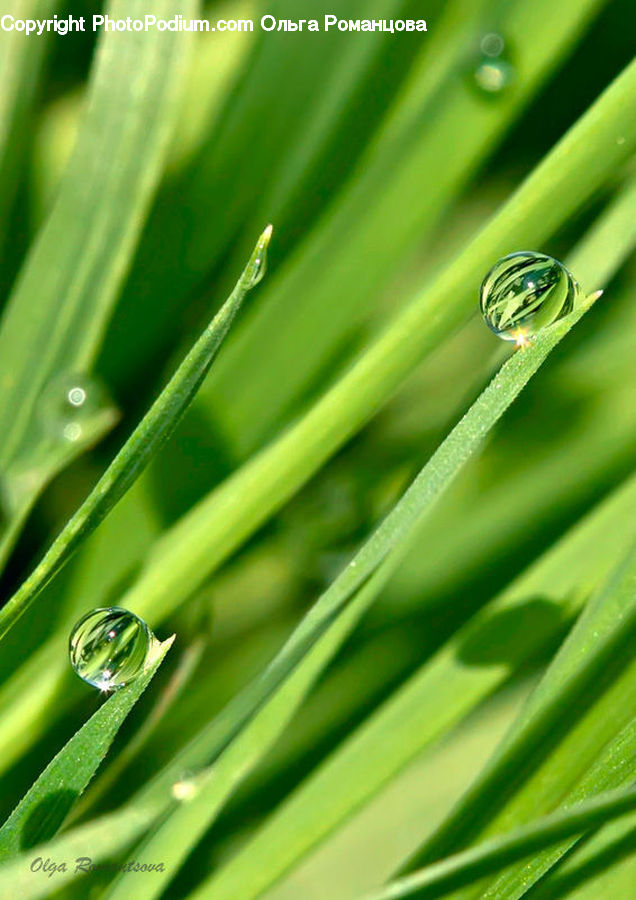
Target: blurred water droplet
x,y
523,293
110,647
492,71
69,406
185,789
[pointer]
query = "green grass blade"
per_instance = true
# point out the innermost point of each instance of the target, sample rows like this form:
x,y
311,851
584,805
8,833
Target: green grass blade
x,y
220,522
601,866
324,294
20,63
151,433
249,725
42,811
110,833
219,197
583,702
30,703
56,315
440,878
530,614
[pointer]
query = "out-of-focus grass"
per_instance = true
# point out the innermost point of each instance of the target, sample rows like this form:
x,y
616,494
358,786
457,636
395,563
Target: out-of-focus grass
x,y
389,176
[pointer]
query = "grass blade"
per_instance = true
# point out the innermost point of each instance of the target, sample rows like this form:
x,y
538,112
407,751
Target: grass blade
x,y
324,294
602,866
62,300
110,833
220,522
442,692
583,702
249,725
44,808
440,878
151,433
20,62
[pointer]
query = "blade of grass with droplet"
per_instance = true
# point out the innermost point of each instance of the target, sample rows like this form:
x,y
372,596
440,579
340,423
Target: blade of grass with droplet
x,y
321,298
250,724
439,879
530,614
180,679
11,739
221,521
56,315
45,806
586,698
151,433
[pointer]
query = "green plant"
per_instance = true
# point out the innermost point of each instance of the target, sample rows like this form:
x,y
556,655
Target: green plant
x,y
372,529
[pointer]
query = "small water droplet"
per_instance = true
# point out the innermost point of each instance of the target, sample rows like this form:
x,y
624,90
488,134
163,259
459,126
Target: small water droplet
x,y
257,266
110,647
523,293
70,404
492,71
620,139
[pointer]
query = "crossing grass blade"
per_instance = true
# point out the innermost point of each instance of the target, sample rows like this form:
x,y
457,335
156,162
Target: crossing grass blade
x,y
584,701
238,738
441,878
221,521
111,833
151,433
532,613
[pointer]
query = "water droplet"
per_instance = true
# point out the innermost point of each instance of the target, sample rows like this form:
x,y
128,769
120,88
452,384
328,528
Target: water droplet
x,y
492,71
110,647
69,406
257,266
523,293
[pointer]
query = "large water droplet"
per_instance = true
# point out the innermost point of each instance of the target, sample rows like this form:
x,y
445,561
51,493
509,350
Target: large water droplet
x,y
69,406
110,647
492,71
524,292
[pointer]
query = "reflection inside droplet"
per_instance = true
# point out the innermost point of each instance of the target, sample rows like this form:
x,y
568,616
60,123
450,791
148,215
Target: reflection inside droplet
x,y
523,293
110,647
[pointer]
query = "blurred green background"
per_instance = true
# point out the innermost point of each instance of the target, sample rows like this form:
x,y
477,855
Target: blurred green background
x,y
376,157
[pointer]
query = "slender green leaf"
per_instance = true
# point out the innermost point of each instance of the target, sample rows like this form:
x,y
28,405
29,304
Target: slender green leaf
x,y
585,699
440,878
20,63
28,702
217,525
249,725
602,866
108,834
57,313
322,296
300,149
42,811
530,614
151,433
